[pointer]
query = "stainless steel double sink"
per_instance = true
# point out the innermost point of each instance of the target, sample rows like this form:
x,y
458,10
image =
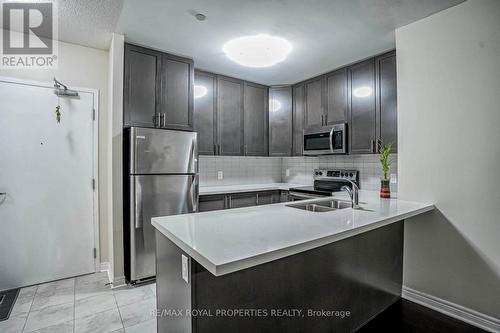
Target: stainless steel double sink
x,y
322,205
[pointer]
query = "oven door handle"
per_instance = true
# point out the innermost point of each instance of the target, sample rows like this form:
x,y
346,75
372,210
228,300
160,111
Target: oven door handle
x,y
303,195
331,139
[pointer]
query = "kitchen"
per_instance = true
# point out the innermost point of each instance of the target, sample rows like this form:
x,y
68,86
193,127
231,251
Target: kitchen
x,y
250,164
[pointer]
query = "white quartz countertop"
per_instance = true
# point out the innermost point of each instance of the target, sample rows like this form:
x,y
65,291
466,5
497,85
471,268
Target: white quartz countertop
x,y
230,240
221,189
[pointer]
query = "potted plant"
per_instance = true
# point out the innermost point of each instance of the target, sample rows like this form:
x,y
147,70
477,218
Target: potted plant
x,y
385,150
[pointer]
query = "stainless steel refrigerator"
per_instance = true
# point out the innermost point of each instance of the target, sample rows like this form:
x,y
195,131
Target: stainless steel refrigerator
x,y
161,179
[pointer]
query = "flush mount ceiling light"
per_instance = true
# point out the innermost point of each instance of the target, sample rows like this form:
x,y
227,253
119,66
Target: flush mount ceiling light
x,y
362,91
275,105
199,91
257,51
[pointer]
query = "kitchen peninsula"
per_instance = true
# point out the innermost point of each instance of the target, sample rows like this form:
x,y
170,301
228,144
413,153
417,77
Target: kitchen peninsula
x,y
258,261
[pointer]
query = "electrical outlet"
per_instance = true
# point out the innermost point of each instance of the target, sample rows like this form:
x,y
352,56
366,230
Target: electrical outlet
x,y
287,172
220,175
185,268
394,178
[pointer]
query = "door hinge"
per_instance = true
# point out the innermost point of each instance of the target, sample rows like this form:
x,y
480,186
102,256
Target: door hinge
x,y
93,184
95,253
93,114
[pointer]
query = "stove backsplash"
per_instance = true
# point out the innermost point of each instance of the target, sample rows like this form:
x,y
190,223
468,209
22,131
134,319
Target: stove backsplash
x,y
301,168
260,170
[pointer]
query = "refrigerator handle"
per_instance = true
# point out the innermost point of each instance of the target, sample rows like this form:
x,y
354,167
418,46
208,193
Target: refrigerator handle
x,y
195,193
137,204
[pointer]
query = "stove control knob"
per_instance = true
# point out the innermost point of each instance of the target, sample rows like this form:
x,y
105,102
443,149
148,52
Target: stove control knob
x,y
320,173
351,174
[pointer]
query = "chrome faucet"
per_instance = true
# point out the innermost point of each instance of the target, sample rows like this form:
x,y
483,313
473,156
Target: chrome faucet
x,y
353,193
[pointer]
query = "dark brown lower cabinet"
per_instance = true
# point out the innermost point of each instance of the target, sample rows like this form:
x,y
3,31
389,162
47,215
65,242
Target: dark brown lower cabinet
x,y
238,200
207,203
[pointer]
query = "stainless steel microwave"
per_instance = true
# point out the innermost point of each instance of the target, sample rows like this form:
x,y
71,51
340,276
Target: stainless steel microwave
x,y
326,140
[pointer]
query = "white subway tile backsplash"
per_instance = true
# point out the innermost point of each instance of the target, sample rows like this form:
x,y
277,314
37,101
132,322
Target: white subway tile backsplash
x,y
255,170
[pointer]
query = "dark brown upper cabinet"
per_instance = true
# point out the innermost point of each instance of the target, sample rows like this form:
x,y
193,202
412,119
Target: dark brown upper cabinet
x,y
232,117
205,107
255,121
314,102
177,93
387,116
336,97
141,86
158,89
362,127
280,121
229,116
298,119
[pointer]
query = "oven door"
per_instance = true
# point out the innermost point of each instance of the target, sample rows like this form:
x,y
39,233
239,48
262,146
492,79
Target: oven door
x,y
297,196
317,142
325,141
338,139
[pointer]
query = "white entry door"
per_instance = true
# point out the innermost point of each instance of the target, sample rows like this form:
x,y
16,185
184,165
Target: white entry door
x,y
47,215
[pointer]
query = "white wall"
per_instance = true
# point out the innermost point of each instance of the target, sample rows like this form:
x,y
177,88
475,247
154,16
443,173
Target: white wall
x,y
115,130
449,153
88,68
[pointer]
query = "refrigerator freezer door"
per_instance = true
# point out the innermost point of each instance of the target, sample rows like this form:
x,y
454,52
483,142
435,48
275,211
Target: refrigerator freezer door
x,y
159,151
155,195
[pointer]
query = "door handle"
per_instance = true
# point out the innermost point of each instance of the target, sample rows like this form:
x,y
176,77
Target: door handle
x,y
195,193
137,203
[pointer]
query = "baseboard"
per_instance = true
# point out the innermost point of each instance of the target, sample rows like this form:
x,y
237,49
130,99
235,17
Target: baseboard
x,y
118,282
459,312
105,266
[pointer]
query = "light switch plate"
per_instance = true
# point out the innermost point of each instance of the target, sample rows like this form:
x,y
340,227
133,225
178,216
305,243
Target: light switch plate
x,y
287,172
185,268
220,175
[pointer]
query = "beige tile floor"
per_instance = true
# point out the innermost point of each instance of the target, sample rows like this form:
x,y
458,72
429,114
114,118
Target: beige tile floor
x,y
83,304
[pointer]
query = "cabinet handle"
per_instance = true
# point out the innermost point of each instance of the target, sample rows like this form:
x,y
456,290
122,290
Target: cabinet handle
x,y
215,149
326,119
322,121
372,146
164,115
229,201
245,150
156,120
218,148
257,199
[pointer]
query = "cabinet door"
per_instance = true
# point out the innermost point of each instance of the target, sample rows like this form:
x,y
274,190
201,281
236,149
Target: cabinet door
x,y
268,197
141,86
280,121
314,103
177,93
284,197
298,119
230,116
387,104
204,113
239,200
363,115
207,203
336,96
255,99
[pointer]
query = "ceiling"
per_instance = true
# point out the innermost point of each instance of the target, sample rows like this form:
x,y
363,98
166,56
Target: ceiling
x,y
325,34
